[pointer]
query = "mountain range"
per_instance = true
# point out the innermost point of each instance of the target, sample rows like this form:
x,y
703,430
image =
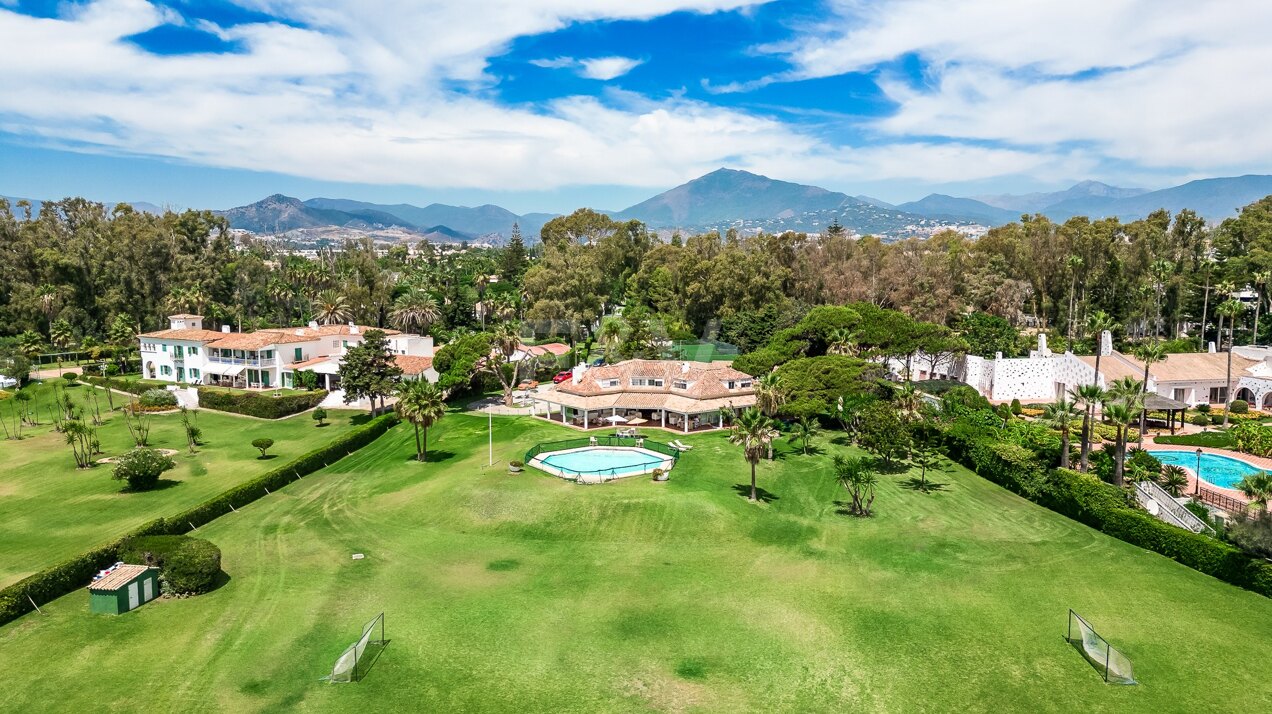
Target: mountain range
x,y
728,198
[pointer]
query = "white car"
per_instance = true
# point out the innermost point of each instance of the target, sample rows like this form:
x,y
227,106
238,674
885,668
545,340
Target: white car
x,y
6,382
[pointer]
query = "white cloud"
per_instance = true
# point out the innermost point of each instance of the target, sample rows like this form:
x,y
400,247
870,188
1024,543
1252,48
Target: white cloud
x,y
1158,84
555,62
607,68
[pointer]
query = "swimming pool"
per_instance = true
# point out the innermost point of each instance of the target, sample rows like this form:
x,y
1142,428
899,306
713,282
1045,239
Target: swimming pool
x,y
591,464
1222,471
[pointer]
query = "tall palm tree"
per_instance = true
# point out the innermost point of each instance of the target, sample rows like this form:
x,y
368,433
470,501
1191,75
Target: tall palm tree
x,y
1087,395
1257,488
1230,309
331,307
415,311
505,341
753,432
1096,323
420,403
1148,353
1224,289
1060,416
1074,264
770,396
908,401
1260,278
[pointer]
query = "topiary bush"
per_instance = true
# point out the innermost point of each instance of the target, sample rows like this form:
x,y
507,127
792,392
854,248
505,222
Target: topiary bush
x,y
320,416
263,445
1199,420
70,377
141,468
187,565
1239,406
1016,407
158,397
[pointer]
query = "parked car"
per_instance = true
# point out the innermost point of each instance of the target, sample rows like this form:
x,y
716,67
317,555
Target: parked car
x,y
598,361
562,376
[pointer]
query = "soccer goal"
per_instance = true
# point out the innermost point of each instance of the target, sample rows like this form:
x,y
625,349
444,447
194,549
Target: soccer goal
x,y
1112,665
354,663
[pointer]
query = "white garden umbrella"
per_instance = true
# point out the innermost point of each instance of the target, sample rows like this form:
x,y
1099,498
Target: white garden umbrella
x,y
615,419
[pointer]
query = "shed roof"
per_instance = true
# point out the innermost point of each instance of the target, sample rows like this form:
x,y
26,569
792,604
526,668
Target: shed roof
x,y
119,577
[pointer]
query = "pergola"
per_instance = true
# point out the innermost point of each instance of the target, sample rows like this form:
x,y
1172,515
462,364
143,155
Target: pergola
x,y
1172,407
668,411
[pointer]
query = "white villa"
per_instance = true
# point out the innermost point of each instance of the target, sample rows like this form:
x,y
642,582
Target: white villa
x,y
267,359
686,396
1190,378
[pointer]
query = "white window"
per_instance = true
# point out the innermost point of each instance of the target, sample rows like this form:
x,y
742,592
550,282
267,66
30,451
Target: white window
x,y
746,384
646,382
609,383
680,384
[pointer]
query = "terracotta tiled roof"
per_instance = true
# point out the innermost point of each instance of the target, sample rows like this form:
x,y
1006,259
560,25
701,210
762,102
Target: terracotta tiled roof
x,y
1179,367
189,334
705,380
412,364
258,340
185,316
118,577
633,400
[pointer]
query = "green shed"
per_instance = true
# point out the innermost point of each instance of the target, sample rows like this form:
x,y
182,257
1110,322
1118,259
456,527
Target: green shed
x,y
125,588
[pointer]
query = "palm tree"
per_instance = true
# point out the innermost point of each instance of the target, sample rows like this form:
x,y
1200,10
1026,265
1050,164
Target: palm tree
x,y
1088,395
1223,288
1230,309
1260,278
908,401
331,307
770,395
1074,264
1060,416
1121,413
1096,323
421,404
61,334
506,341
1257,488
611,335
804,431
858,477
842,342
754,432
1148,353
1174,479
415,311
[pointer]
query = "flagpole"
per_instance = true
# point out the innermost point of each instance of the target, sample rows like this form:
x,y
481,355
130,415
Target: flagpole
x,y
490,430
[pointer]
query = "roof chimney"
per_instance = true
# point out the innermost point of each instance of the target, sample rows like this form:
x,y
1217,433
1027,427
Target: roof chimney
x,y
684,367
225,329
353,329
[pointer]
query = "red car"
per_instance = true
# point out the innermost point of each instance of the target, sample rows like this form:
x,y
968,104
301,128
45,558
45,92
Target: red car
x,y
562,376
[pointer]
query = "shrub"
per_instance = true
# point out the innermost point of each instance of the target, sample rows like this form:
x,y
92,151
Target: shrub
x,y
263,445
158,397
188,565
141,468
1199,420
1252,438
516,464
71,575
70,377
1253,535
1216,419
1016,408
320,416
1203,408
258,405
938,387
1239,406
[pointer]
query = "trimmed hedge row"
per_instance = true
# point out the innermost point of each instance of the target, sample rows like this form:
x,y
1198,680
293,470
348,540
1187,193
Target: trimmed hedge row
x,y
71,575
1104,507
259,405
120,383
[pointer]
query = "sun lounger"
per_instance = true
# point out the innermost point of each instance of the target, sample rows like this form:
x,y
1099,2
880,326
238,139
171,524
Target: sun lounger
x,y
681,446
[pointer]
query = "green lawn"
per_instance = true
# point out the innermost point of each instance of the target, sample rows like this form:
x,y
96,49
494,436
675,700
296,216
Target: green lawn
x,y
50,511
526,593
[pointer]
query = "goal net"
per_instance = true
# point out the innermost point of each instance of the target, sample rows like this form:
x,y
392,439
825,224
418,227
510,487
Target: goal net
x,y
354,662
1112,665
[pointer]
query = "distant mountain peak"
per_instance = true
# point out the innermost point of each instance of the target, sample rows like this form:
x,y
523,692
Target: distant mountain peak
x,y
731,194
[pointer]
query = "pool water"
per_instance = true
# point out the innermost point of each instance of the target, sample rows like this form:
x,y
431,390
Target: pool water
x,y
603,460
1222,471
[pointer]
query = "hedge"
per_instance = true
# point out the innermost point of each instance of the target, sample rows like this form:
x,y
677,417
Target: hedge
x,y
1104,507
71,575
259,405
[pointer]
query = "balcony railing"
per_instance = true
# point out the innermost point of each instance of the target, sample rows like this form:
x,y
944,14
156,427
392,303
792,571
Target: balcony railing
x,y
246,361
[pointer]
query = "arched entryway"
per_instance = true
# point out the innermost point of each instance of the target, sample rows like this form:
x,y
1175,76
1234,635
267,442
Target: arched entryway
x,y
1267,401
1245,395
150,370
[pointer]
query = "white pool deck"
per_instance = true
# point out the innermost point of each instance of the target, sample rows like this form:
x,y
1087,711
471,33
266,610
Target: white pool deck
x,y
657,461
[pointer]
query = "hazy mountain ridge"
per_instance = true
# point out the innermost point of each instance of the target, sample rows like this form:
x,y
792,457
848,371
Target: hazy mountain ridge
x,y
953,208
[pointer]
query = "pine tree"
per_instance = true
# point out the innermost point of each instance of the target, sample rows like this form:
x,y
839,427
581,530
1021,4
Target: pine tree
x,y
368,370
513,261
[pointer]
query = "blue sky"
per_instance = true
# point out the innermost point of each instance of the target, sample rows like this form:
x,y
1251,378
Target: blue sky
x,y
547,105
